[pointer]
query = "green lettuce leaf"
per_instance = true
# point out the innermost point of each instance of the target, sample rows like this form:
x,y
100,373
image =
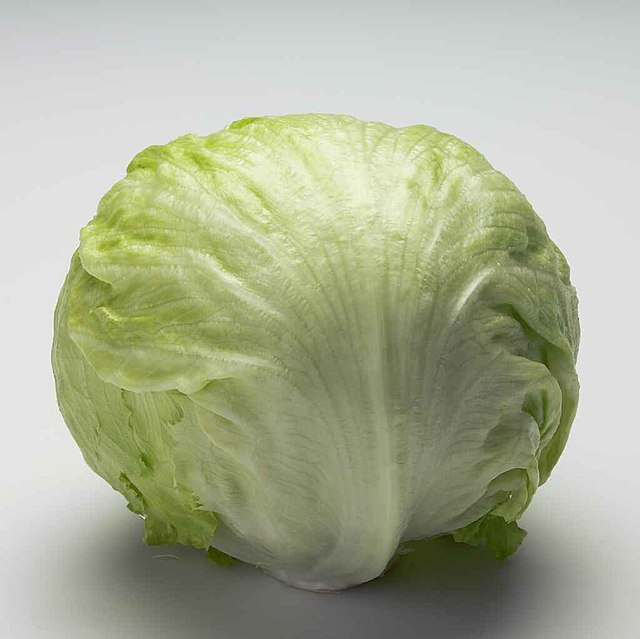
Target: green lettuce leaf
x,y
502,538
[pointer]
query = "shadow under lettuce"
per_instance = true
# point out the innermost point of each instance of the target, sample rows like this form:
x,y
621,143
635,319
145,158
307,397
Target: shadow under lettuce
x,y
112,585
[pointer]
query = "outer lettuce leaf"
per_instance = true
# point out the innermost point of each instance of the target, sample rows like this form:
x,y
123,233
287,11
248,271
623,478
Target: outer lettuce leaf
x,y
127,438
219,558
501,537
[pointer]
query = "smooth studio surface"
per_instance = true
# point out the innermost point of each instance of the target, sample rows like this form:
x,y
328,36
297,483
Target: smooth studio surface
x,y
549,95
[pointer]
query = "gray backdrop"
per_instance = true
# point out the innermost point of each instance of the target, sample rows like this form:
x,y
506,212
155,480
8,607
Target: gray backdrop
x,y
549,91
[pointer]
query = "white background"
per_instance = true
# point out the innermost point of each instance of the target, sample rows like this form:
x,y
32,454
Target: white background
x,y
548,91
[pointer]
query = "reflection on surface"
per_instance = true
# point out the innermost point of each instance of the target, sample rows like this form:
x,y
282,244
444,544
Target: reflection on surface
x,y
112,581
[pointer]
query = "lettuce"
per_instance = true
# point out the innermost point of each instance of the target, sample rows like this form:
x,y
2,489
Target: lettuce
x,y
304,340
